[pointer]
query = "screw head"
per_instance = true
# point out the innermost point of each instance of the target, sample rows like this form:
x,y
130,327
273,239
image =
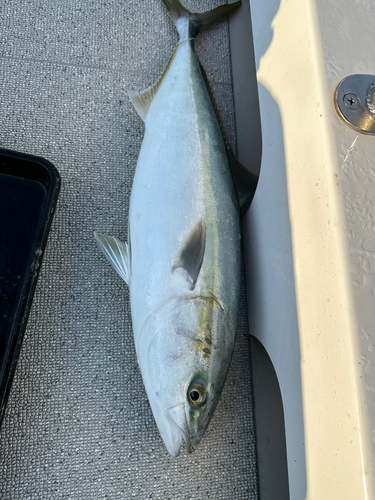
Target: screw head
x,y
351,101
370,99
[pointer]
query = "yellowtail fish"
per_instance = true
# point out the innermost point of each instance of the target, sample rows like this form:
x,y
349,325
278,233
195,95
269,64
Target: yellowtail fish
x,y
182,259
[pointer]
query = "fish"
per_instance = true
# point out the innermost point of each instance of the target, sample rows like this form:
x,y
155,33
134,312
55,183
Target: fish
x,y
182,260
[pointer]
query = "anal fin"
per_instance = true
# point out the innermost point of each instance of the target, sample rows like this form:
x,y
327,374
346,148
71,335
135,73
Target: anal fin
x,y
142,100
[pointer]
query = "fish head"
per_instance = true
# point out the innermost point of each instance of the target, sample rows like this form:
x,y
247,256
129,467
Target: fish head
x,y
184,353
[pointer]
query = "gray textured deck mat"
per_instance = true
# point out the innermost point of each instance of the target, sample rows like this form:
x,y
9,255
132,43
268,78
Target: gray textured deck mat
x,y
78,424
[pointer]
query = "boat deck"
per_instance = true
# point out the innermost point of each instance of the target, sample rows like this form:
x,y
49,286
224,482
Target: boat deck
x,y
78,424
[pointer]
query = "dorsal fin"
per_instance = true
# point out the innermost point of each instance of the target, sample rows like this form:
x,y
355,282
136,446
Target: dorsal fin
x,y
244,181
190,256
142,99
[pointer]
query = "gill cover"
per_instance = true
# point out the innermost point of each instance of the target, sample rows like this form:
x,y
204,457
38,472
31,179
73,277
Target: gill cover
x,y
184,342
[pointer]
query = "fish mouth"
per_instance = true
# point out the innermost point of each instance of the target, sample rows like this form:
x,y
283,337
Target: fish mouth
x,y
177,419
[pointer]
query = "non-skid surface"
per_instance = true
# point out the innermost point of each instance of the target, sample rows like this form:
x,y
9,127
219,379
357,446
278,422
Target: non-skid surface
x,y
78,424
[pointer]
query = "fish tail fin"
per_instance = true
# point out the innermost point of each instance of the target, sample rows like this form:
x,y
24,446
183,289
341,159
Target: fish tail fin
x,y
190,24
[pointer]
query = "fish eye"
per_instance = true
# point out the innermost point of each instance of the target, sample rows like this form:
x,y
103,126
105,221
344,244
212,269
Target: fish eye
x,y
196,395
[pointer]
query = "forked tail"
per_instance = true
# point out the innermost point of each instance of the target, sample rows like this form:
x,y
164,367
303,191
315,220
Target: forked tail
x,y
189,24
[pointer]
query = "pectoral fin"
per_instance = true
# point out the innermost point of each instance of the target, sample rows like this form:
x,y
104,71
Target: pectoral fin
x,y
117,253
190,256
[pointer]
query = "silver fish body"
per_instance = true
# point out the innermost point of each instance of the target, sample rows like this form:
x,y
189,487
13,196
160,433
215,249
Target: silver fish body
x,y
183,176
182,260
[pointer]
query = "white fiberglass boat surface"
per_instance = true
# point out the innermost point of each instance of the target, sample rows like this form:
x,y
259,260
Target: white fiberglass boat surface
x,y
310,243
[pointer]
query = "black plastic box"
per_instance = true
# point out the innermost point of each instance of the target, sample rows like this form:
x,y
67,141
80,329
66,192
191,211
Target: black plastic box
x,y
29,187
